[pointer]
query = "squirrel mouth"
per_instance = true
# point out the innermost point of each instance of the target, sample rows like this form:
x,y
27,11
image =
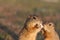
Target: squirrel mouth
x,y
36,26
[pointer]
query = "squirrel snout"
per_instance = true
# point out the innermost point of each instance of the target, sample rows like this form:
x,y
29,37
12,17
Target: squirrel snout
x,y
41,25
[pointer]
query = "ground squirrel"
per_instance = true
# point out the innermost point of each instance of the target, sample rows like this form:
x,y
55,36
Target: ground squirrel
x,y
31,27
49,32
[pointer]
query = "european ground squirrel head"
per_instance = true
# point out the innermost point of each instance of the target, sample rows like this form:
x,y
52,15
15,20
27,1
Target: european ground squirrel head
x,y
49,27
33,22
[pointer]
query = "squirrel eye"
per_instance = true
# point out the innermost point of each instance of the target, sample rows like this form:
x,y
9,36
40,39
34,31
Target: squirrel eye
x,y
49,24
34,17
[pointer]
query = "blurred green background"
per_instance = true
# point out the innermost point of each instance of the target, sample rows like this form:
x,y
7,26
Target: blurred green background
x,y
13,14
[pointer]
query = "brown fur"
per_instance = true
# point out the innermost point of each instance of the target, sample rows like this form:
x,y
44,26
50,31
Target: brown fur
x,y
49,32
31,27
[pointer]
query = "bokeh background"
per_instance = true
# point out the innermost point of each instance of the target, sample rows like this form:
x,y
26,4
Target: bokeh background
x,y
13,14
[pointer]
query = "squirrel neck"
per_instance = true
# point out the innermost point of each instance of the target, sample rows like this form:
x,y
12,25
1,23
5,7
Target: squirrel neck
x,y
51,35
27,35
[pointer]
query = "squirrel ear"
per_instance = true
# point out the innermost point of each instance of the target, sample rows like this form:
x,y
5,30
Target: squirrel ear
x,y
29,16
